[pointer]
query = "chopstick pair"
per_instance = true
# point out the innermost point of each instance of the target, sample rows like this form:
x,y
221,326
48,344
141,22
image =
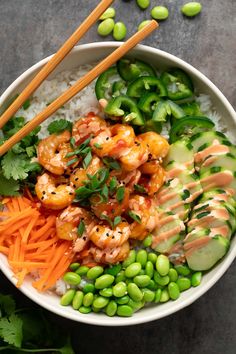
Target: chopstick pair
x,y
79,85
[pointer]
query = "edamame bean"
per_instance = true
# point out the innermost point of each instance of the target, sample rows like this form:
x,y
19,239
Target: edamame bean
x,y
74,266
173,275
120,289
152,285
143,24
148,295
111,308
161,280
142,280
173,290
164,296
100,302
104,281
182,269
152,257
77,300
158,295
162,265
67,298
72,278
134,292
85,310
109,13
88,299
147,241
132,270
89,288
124,311
149,269
191,9
130,259
106,27
143,4
94,272
114,270
142,257
107,292
82,270
136,305
123,300
119,31
183,283
196,279
120,276
160,13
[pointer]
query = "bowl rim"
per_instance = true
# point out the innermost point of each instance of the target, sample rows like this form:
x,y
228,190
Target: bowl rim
x,y
198,291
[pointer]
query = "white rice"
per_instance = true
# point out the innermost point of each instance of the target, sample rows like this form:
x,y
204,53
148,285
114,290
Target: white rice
x,y
83,103
86,101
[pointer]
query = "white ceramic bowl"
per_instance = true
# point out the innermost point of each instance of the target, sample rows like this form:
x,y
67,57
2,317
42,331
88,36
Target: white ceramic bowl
x,y
87,54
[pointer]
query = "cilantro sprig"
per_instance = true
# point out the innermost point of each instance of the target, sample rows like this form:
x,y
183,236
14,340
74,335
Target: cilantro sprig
x,y
59,126
21,330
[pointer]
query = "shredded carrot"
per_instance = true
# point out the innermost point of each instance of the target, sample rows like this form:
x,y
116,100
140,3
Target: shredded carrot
x,y
28,239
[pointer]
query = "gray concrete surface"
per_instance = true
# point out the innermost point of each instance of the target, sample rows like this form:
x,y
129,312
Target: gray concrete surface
x,y
31,30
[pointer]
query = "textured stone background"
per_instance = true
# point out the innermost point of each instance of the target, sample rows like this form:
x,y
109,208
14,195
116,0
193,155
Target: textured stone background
x,y
29,31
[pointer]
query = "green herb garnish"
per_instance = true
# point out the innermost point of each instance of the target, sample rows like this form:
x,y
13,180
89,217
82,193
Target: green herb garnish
x,y
58,126
135,217
111,163
81,228
203,214
116,221
139,188
120,193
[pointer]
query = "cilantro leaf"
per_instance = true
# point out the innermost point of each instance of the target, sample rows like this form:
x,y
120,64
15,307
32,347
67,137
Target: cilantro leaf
x,y
59,126
81,228
8,187
117,220
11,330
15,166
7,303
134,216
120,194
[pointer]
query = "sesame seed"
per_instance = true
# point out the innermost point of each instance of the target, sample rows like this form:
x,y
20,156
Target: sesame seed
x,y
84,238
76,179
113,236
107,138
53,193
44,192
97,229
107,234
70,193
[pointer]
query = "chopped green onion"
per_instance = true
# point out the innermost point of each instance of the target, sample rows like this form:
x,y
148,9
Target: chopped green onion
x,y
140,188
111,163
135,217
81,228
120,194
87,159
72,161
113,184
26,104
97,146
117,220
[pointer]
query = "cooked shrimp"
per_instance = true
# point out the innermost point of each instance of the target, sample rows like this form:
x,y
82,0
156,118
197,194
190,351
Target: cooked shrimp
x,y
113,141
51,194
157,178
104,237
135,156
128,179
157,145
111,207
145,209
79,175
87,126
67,223
110,255
52,152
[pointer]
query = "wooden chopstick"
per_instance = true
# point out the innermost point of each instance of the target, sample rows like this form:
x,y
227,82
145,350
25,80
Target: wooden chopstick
x,y
79,85
55,60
